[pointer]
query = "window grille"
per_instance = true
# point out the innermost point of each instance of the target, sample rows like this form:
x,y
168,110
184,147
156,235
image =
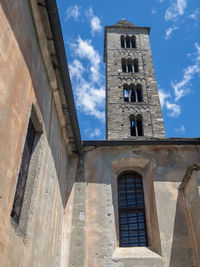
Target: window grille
x,y
132,222
22,178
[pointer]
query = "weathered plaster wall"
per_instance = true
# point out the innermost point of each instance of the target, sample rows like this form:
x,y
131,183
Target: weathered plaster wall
x,y
24,82
191,197
95,207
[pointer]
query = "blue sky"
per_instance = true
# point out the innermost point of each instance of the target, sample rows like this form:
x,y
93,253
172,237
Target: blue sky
x,y
175,44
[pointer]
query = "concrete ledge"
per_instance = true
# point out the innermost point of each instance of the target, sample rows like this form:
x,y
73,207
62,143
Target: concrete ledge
x,y
135,252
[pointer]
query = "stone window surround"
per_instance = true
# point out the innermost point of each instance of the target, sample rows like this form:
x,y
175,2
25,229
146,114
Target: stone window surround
x,y
136,88
131,37
146,169
23,227
136,122
133,64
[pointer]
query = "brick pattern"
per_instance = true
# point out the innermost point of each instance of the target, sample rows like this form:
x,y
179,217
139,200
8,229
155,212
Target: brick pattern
x,y
117,110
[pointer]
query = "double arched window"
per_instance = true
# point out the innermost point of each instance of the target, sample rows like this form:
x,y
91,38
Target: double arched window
x,y
132,93
136,127
132,222
130,65
128,41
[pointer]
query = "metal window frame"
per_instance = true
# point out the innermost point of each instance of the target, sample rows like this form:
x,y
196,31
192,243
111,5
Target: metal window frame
x,y
132,210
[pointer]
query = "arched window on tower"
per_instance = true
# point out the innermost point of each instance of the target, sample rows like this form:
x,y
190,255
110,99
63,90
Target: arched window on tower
x,y
136,65
139,129
131,207
130,66
123,65
126,92
139,92
122,41
133,42
133,125
127,41
136,127
132,93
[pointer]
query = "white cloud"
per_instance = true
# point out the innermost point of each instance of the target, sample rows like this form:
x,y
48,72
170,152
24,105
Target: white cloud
x,y
93,133
153,11
195,14
87,82
181,88
180,129
175,109
73,12
76,69
169,32
163,96
176,10
197,52
84,49
95,22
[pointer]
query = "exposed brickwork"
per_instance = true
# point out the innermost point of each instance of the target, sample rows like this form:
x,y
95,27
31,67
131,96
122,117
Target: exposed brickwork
x,y
117,110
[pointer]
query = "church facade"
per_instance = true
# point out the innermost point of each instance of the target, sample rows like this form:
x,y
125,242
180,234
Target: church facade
x,y
130,200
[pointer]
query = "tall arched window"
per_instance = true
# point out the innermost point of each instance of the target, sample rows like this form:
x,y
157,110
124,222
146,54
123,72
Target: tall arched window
x,y
132,222
126,92
139,125
133,41
132,90
123,65
129,63
122,41
127,41
139,92
136,127
133,125
136,65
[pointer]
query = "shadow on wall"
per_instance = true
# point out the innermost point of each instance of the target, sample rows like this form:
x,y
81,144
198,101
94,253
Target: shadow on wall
x,y
24,33
182,251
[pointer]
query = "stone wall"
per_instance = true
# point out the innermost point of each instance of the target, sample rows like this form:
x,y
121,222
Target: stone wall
x,y
95,208
117,110
27,91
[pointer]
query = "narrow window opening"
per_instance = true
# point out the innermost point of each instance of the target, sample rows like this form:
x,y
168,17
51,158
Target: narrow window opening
x,y
132,93
122,42
127,42
139,125
126,95
23,173
133,99
135,63
132,221
139,93
133,42
129,63
123,65
133,126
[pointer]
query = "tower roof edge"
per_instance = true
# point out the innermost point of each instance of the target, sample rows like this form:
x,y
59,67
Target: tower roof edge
x,y
126,24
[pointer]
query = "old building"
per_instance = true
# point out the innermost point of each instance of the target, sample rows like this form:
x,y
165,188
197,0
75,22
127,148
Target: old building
x,y
130,200
132,94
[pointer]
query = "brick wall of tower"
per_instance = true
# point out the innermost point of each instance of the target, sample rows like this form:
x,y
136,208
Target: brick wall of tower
x,y
117,110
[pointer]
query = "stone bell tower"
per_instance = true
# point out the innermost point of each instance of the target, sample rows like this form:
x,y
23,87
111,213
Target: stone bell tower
x,y
132,102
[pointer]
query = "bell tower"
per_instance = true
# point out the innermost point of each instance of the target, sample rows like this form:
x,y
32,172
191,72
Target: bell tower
x,y
132,101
